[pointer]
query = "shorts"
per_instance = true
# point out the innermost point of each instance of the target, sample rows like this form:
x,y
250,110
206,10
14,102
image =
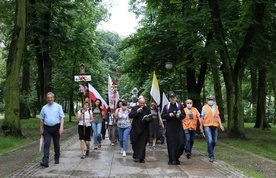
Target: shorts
x,y
87,135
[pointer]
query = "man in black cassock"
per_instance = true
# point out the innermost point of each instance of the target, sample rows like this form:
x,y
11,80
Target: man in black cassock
x,y
173,112
140,130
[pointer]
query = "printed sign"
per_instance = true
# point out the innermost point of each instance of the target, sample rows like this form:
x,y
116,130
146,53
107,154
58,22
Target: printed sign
x,y
82,78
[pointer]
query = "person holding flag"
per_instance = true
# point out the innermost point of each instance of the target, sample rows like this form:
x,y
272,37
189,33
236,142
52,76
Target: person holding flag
x,y
99,111
85,118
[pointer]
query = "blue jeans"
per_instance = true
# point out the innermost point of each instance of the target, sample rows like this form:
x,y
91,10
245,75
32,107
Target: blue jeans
x,y
97,132
211,134
123,134
190,137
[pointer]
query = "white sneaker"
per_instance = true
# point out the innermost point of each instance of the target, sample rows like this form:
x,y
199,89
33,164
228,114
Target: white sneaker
x,y
121,150
124,153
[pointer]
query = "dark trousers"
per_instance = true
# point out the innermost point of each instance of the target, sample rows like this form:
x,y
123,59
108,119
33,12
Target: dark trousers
x,y
50,132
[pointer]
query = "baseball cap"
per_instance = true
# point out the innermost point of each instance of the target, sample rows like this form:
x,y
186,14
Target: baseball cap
x,y
211,97
172,94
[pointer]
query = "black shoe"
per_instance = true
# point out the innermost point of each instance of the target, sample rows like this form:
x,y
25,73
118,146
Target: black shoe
x,y
87,153
188,156
56,161
177,162
83,156
141,161
171,163
45,164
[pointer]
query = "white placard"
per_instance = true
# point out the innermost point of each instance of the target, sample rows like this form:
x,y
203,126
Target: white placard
x,y
82,78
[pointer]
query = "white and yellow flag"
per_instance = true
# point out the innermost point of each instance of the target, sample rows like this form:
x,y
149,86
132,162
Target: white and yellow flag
x,y
154,91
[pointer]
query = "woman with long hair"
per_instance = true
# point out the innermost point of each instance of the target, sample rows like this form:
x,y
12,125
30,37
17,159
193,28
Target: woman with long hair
x,y
124,126
98,114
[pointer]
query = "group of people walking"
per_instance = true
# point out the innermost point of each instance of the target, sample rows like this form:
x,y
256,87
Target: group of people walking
x,y
140,123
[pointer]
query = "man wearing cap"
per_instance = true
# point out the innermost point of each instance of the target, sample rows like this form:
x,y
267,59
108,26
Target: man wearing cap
x,y
173,113
210,121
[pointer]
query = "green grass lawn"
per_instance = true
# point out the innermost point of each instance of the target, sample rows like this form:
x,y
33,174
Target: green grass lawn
x,y
30,131
258,141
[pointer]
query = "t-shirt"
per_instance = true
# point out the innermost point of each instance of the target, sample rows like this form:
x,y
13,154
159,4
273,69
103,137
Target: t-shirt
x,y
97,115
86,117
123,119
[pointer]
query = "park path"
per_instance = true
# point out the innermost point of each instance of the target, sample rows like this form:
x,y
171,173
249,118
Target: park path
x,y
108,162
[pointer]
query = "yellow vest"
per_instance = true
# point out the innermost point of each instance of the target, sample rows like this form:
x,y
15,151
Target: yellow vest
x,y
188,123
210,118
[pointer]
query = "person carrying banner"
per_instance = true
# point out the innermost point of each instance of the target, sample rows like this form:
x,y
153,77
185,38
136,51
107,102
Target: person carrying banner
x,y
173,112
85,118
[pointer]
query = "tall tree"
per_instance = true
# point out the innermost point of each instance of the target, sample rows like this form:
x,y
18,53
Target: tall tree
x,y
11,125
261,121
233,75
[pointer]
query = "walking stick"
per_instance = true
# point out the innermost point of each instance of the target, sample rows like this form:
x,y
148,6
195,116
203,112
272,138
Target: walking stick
x,y
83,119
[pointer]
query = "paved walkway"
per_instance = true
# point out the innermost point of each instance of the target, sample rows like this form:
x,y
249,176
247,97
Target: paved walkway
x,y
108,162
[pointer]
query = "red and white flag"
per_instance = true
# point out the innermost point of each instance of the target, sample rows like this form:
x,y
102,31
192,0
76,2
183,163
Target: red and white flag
x,y
94,94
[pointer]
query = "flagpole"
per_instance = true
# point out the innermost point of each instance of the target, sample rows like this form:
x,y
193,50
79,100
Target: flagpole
x,y
83,119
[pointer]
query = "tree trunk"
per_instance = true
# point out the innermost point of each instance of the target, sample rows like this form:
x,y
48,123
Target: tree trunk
x,y
261,121
274,92
11,125
25,89
41,31
47,61
37,45
218,93
194,88
254,90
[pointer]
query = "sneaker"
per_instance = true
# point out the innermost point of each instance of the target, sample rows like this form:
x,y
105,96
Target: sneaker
x,y
154,147
95,147
56,160
112,144
121,150
211,160
83,156
188,156
87,153
124,153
